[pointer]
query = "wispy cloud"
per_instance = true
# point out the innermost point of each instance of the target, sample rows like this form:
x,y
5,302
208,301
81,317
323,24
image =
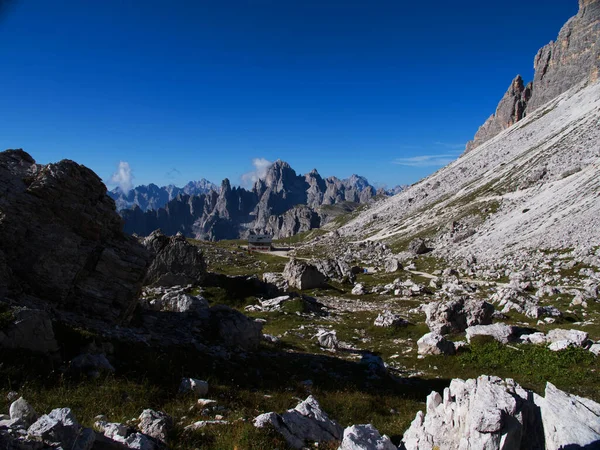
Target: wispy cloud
x,y
261,165
438,160
452,146
123,177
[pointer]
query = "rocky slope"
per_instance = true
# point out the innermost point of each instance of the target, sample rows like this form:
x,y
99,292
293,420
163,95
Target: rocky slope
x,y
559,66
535,185
281,204
148,197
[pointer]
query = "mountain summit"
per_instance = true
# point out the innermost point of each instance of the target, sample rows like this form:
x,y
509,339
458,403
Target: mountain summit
x,y
574,58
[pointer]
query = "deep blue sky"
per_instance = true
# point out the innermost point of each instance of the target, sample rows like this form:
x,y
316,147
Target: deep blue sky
x,y
188,89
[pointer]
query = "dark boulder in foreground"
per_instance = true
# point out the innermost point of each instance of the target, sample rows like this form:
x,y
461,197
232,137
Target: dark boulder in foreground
x,y
62,240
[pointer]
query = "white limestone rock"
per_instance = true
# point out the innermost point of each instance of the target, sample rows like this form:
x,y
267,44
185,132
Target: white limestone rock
x,y
499,331
21,410
435,344
303,424
189,385
365,437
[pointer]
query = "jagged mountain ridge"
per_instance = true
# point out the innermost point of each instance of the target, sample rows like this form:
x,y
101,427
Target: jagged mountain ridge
x,y
533,185
148,197
282,204
574,57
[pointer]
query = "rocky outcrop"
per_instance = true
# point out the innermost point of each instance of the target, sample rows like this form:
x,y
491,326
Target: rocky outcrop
x,y
457,315
301,275
510,110
281,204
307,422
29,329
496,414
365,437
63,240
174,261
573,58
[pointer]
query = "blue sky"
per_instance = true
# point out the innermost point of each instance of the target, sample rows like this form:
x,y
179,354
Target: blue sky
x,y
188,89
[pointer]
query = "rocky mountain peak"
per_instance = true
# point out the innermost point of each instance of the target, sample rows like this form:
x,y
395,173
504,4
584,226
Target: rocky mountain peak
x,y
572,59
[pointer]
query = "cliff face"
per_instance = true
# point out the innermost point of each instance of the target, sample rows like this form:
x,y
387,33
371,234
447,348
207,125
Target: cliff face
x,y
574,58
282,204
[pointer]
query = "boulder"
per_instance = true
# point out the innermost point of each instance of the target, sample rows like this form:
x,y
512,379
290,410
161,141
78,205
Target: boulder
x,y
327,339
457,315
499,331
233,329
123,436
486,413
23,411
387,319
435,344
560,339
301,275
31,329
192,385
568,421
358,289
179,302
418,247
365,437
155,424
306,423
60,428
335,269
392,265
63,240
175,261
91,365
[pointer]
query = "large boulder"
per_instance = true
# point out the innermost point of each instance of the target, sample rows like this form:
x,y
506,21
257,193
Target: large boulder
x,y
233,329
457,315
175,261
569,421
335,269
500,332
435,344
301,275
63,240
306,423
155,424
494,414
365,437
486,413
59,428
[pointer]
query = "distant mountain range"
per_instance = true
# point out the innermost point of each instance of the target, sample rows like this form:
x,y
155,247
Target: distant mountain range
x,y
282,204
148,197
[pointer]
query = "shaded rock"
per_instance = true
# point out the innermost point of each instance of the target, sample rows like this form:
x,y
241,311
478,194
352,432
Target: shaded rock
x,y
435,344
304,424
60,428
365,437
155,424
374,364
179,302
418,247
189,385
233,329
175,261
63,239
335,269
456,316
535,312
301,275
31,330
91,365
388,319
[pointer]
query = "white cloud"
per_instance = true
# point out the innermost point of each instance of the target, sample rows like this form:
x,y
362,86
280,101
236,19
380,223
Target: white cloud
x,y
261,165
427,160
123,177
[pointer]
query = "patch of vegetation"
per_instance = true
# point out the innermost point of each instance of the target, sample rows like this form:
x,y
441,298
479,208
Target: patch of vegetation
x,y
6,315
